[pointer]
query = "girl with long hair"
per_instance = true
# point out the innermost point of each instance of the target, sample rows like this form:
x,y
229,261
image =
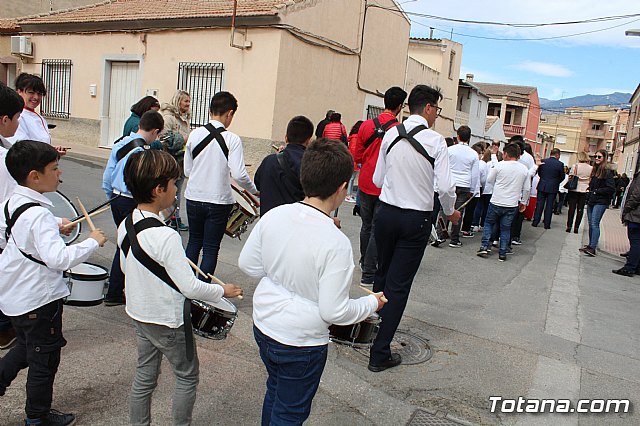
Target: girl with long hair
x,y
601,187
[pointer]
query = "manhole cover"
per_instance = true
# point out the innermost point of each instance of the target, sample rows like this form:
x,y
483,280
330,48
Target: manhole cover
x,y
423,418
413,349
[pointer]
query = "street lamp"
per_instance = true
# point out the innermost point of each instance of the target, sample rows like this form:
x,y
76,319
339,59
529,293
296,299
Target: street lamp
x,y
632,33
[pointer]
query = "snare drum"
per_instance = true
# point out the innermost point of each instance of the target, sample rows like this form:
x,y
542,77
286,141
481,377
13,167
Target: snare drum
x,y
62,207
213,321
360,335
243,212
87,283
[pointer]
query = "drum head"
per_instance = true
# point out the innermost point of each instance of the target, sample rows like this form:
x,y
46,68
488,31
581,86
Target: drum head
x,y
89,272
62,207
243,201
225,305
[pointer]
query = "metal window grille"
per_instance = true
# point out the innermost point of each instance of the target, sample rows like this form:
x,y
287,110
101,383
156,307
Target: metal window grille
x,y
56,74
373,112
201,81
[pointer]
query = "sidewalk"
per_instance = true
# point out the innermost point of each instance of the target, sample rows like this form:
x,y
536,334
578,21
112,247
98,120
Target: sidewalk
x,y
613,235
84,152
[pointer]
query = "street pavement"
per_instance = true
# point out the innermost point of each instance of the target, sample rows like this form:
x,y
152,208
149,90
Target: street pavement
x,y
548,323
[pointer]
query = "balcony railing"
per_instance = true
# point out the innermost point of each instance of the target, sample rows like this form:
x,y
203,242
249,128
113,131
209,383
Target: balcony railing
x,y
462,118
595,133
513,129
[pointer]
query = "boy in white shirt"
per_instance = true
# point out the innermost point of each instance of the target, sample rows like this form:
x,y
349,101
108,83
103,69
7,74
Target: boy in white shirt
x,y
31,285
510,196
305,266
11,105
157,306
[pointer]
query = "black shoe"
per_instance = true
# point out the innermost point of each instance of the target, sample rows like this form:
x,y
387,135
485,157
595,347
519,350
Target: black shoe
x,y
575,230
114,301
502,258
624,254
437,242
53,418
7,338
356,210
534,224
393,361
568,229
623,272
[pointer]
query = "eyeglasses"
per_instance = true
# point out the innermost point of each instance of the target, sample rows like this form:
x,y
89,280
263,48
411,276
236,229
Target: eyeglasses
x,y
438,109
599,156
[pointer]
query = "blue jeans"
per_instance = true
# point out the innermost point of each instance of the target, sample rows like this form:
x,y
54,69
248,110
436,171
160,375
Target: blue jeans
x,y
207,222
594,216
294,377
502,216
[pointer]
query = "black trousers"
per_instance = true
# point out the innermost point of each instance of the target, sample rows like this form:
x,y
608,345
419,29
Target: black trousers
x,y
469,212
401,238
576,201
545,202
121,207
38,345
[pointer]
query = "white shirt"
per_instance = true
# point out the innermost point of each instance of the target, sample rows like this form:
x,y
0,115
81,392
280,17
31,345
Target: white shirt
x,y
209,173
534,186
149,299
24,284
305,265
484,173
406,177
463,163
7,183
511,184
529,163
31,127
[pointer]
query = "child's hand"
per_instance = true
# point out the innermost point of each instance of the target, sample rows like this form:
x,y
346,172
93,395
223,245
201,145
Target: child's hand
x,y
381,300
99,236
232,290
64,229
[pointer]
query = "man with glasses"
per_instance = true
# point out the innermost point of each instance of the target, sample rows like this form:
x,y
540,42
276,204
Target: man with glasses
x,y
412,160
551,173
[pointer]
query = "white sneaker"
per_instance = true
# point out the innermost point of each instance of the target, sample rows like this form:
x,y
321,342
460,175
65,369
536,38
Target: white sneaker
x,y
350,199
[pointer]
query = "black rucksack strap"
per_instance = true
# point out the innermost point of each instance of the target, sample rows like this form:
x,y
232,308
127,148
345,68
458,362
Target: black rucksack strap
x,y
292,180
11,221
379,130
216,133
156,269
133,144
403,135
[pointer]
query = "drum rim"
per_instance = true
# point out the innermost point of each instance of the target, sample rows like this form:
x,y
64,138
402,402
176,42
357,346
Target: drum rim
x,y
84,277
79,225
244,194
213,307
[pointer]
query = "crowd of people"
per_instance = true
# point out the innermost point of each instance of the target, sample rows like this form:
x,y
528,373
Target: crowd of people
x,y
414,187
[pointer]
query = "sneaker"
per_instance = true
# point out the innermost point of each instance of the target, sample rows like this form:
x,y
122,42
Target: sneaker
x,y
467,234
589,251
475,229
456,244
7,338
482,252
53,418
496,243
502,258
114,301
509,251
581,249
173,224
437,242
623,272
516,241
181,226
356,210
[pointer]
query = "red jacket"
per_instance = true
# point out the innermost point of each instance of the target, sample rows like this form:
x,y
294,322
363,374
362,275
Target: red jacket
x,y
353,141
334,130
369,157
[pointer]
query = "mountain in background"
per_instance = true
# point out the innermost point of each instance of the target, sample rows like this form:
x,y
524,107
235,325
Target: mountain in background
x,y
586,101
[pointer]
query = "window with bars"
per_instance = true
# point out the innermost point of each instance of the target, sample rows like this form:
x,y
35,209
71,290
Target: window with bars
x,y
56,75
373,112
201,81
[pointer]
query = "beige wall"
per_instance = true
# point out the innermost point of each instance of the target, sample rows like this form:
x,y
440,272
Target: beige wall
x,y
313,79
159,58
564,125
436,54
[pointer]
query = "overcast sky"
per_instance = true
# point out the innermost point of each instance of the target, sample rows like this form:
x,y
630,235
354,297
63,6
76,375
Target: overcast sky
x,y
597,63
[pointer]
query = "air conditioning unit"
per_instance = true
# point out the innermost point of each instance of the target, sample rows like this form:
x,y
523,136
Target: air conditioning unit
x,y
21,45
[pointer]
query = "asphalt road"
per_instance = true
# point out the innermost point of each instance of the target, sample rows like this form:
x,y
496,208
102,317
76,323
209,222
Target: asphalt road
x,y
547,323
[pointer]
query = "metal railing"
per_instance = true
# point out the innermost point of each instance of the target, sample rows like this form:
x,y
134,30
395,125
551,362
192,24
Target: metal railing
x,y
201,80
513,129
56,75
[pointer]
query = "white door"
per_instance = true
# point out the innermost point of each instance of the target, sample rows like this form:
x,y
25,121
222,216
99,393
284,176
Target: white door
x,y
122,94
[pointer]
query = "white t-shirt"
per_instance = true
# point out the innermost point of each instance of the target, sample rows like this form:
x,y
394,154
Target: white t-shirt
x,y
511,184
31,127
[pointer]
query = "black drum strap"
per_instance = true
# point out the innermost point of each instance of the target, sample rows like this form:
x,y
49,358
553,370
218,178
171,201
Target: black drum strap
x,y
131,241
379,130
213,133
403,135
11,221
130,146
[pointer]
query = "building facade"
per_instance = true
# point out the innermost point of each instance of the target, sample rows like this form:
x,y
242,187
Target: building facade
x,y
471,110
629,158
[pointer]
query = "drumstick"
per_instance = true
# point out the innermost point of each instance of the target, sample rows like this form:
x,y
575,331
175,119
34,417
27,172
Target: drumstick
x,y
222,284
86,215
95,213
463,205
384,299
96,208
195,268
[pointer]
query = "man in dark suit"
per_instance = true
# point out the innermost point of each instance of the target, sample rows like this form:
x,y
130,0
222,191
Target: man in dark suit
x,y
551,173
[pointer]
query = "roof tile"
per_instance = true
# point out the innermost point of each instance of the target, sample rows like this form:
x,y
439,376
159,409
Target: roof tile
x,y
132,10
493,89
